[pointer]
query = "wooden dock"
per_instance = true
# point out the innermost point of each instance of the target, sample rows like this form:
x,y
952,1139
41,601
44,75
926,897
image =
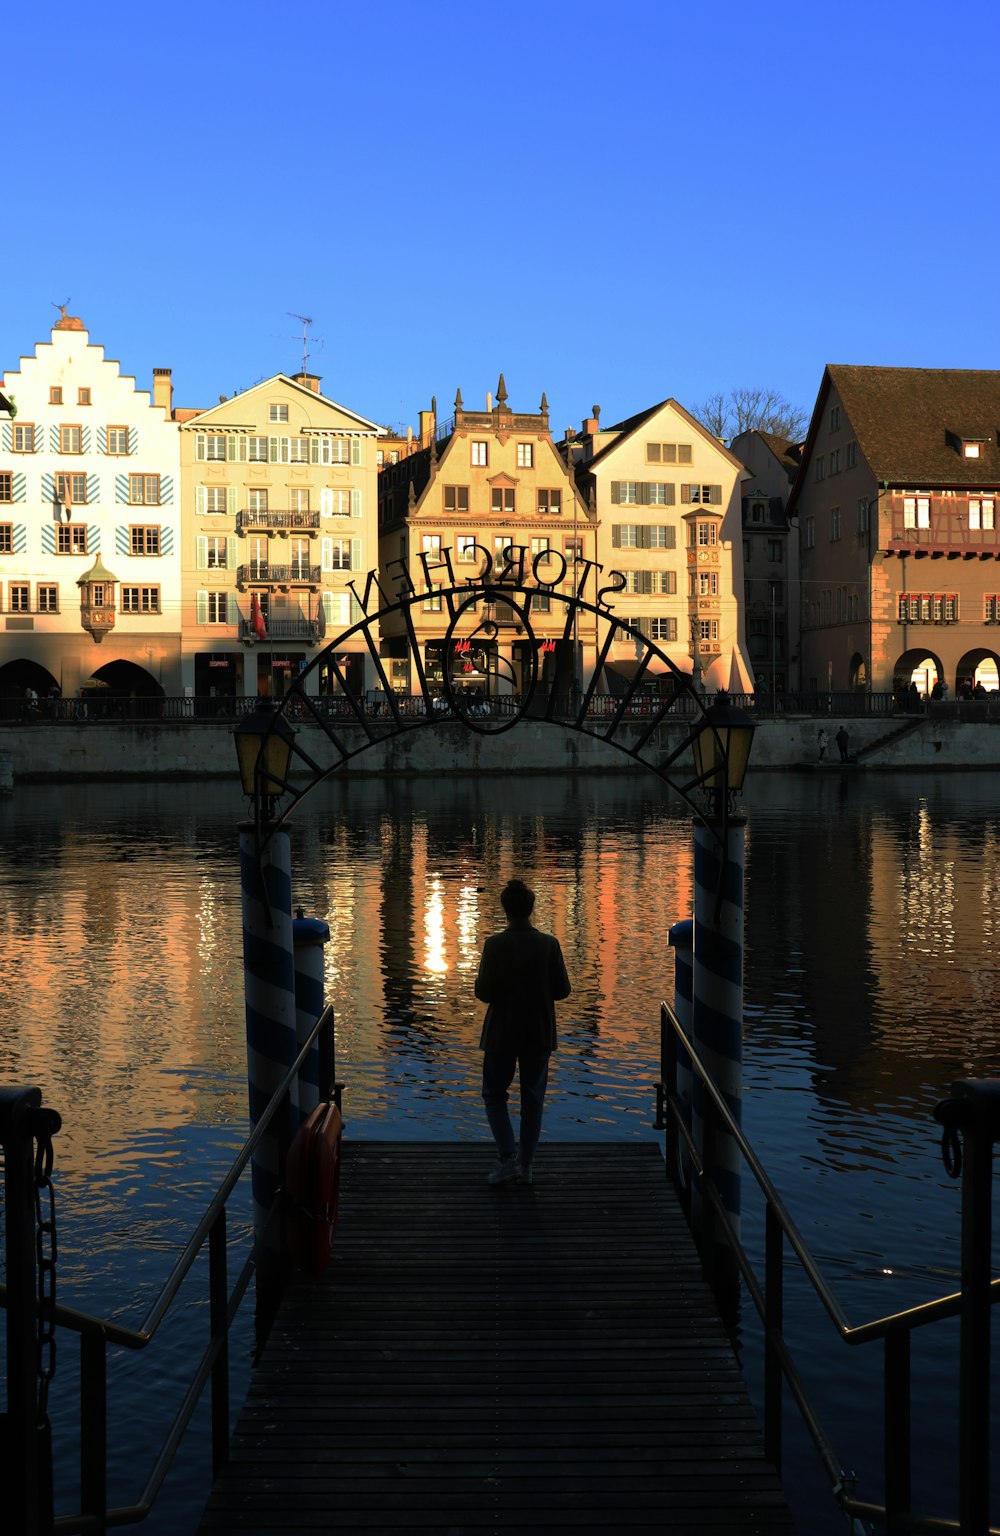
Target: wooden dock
x,y
492,1359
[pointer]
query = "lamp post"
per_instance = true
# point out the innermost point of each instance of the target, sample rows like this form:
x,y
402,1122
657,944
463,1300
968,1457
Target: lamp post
x,y
263,748
721,751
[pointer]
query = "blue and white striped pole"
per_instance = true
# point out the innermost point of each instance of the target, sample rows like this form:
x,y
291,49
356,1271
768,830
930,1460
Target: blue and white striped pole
x,y
309,934
269,981
680,938
717,1023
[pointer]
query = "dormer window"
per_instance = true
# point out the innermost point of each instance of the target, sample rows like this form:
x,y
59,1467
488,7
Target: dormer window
x,y
970,450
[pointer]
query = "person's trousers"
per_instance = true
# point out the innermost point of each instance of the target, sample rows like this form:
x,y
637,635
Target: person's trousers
x,y
499,1066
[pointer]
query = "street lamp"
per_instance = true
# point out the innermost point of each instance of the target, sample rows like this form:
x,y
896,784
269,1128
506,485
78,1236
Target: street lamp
x,y
264,751
721,749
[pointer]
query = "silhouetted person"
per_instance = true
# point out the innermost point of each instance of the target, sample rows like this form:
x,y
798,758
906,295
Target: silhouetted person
x,y
521,976
842,739
821,741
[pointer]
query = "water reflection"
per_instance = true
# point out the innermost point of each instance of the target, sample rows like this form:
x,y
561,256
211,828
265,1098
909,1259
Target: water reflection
x,y
871,974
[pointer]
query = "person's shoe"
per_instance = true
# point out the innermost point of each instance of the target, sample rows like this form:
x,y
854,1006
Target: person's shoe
x,y
524,1173
503,1170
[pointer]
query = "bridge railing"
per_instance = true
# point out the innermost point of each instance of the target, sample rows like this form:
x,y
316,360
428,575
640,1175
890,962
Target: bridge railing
x,y
975,1110
27,1490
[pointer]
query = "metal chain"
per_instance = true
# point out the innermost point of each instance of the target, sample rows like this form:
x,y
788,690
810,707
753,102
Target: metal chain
x,y
46,1250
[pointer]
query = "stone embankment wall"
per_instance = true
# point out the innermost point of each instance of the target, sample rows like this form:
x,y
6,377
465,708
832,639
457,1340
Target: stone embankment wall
x,y
43,752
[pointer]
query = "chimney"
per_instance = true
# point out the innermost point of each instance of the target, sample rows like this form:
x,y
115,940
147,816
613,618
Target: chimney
x,y
428,428
489,401
590,423
163,390
308,381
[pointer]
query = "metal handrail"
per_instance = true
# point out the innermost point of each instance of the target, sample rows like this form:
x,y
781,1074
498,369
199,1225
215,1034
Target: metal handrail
x,y
97,1333
895,1328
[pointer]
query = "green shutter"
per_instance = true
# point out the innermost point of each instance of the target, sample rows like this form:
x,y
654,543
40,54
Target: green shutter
x,y
199,446
671,535
685,495
201,552
645,537
616,535
715,495
616,493
355,450
232,553
642,493
314,450
285,444
670,491
326,554
355,503
202,607
272,450
200,500
231,500
355,554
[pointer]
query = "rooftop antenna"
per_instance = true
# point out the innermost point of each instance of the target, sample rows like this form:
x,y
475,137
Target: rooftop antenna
x,y
305,321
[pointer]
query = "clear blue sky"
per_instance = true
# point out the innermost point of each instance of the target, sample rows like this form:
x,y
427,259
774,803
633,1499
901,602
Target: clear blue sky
x,y
611,203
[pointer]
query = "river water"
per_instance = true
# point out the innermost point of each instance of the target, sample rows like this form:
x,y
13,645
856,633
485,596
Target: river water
x,y
872,975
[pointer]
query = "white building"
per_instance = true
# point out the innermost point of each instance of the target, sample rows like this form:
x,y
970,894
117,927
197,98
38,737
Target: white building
x,y
89,485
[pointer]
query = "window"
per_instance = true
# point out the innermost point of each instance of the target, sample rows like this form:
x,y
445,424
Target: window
x,y
71,490
834,420
661,536
298,450
502,500
820,467
809,533
430,543
776,593
834,523
480,452
19,597
70,439
216,552
573,549
708,629
211,446
663,629
852,455
747,549
835,461
71,539
668,453
256,500
627,493
456,499
141,599
214,610
970,450
708,584
550,502
298,559
864,514
432,604
83,397
525,455
466,545
379,457
118,441
298,498
660,495
6,485
775,551
6,538
916,511
625,536
257,450
981,511
339,551
144,540
929,608
991,609
48,599
215,498
277,412
23,437
706,494
708,533
144,490
55,395
393,455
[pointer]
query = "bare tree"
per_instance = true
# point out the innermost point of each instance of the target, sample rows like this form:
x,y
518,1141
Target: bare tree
x,y
750,410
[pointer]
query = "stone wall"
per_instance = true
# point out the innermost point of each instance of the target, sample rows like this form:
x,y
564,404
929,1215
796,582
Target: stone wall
x,y
98,750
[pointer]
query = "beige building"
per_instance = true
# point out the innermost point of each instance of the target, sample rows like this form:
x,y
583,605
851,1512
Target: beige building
x,y
770,559
666,496
488,492
896,500
278,497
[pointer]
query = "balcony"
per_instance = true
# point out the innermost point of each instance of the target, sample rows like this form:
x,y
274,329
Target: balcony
x,y
277,522
282,629
268,574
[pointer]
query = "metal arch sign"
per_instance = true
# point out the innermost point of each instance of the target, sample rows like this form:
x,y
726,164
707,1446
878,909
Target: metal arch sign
x,y
572,709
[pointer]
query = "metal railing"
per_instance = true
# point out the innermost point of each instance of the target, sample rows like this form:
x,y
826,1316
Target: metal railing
x,y
280,521
96,1335
895,1329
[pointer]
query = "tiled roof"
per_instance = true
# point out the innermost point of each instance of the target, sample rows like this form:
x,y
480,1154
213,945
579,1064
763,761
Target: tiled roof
x,y
909,422
789,453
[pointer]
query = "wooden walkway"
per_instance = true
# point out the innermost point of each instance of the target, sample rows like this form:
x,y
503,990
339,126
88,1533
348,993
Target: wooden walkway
x,y
494,1359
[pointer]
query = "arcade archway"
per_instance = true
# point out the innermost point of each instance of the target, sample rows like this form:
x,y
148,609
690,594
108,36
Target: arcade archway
x,y
917,667
978,672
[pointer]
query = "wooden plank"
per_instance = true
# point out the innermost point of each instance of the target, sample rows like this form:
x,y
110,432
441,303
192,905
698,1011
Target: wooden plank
x,y
542,1358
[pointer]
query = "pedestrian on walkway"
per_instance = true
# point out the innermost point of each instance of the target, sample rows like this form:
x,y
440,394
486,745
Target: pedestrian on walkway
x,y
821,741
521,977
842,740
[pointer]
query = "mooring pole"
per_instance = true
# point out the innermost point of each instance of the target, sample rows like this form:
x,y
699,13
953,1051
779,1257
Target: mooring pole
x,y
680,938
309,935
717,1027
269,981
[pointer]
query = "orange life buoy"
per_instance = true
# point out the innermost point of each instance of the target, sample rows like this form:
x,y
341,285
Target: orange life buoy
x,y
312,1184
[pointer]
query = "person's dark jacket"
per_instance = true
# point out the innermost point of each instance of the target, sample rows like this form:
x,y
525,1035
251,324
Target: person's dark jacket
x,y
522,976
